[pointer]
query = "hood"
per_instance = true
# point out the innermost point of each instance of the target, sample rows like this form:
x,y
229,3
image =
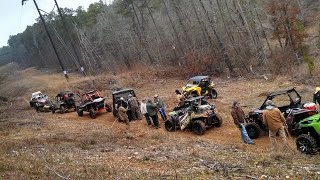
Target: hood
x,y
188,86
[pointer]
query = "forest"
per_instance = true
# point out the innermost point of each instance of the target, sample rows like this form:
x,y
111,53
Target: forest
x,y
230,37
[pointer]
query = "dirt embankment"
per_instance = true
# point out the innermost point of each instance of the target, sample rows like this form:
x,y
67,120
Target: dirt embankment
x,y
46,146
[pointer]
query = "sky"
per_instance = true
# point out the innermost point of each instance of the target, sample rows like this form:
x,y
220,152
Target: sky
x,y
15,18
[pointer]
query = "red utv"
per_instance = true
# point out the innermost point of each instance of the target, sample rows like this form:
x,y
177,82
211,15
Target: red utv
x,y
92,102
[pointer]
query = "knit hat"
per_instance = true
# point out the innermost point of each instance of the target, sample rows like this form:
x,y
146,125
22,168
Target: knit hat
x,y
269,104
235,103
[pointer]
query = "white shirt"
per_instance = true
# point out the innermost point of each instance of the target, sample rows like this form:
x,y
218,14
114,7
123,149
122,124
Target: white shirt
x,y
143,108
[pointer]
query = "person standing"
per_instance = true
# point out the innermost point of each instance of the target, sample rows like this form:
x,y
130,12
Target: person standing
x,y
239,120
316,96
123,114
143,109
134,107
275,121
152,109
160,104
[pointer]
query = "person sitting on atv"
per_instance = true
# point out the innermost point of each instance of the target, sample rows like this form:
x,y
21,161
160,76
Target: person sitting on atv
x,y
296,103
316,96
180,98
204,86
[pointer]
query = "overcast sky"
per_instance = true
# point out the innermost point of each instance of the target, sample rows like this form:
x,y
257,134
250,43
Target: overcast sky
x,y
14,17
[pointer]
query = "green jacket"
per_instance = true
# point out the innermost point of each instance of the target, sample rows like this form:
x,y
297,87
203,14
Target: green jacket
x,y
159,102
152,108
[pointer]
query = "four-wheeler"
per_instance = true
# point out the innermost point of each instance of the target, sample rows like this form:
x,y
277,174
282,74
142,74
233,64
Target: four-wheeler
x,y
92,101
121,95
289,103
196,114
64,101
40,102
308,132
35,97
200,86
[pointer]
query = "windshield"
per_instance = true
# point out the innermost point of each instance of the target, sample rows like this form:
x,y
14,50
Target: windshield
x,y
191,82
124,94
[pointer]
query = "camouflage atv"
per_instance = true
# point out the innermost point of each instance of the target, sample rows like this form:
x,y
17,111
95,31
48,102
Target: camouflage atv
x,y
196,115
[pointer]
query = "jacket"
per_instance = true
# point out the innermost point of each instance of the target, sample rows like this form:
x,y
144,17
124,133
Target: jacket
x,y
133,102
152,108
159,102
122,113
143,108
316,97
273,118
237,115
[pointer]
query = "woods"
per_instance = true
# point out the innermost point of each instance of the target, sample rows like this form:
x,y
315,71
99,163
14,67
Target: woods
x,y
232,37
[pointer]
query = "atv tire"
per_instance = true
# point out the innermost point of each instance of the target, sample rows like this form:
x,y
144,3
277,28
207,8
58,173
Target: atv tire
x,y
198,127
170,125
70,101
306,144
213,94
53,109
92,113
253,130
108,108
219,118
80,112
62,110
194,94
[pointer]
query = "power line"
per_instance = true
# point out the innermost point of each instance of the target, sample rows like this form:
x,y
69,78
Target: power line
x,y
51,41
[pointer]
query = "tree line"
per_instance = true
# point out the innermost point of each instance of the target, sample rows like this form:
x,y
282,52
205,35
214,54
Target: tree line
x,y
214,36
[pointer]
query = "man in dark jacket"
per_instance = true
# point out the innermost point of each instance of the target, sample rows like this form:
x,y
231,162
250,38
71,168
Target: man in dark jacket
x,y
152,109
316,96
239,120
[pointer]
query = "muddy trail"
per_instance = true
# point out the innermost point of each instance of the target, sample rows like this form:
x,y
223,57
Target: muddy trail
x,y
54,146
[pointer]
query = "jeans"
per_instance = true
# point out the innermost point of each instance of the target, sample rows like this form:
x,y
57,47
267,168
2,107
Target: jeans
x,y
244,135
163,113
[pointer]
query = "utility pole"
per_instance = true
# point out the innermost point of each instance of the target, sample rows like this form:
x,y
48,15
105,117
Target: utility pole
x,y
72,45
53,46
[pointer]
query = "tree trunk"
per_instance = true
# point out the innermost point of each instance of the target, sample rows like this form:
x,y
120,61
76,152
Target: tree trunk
x,y
220,43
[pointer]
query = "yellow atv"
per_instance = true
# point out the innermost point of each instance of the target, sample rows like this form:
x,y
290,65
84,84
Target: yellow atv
x,y
200,86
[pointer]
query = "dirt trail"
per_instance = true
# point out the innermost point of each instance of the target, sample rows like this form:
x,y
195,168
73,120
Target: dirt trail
x,y
100,148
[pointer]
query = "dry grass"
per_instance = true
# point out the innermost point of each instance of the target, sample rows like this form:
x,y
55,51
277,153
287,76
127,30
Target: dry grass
x,y
44,145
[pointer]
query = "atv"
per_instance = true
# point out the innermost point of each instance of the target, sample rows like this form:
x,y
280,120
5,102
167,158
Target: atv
x,y
289,103
121,96
200,86
308,131
40,102
92,102
195,114
65,101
